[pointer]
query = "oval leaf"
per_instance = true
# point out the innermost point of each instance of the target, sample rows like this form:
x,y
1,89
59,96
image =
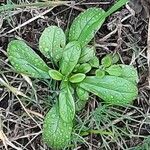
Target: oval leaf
x,y
56,75
114,70
66,103
87,53
107,61
94,62
115,58
84,68
82,94
86,25
56,132
129,73
111,89
26,61
70,57
125,71
76,68
100,73
77,78
52,42
82,99
80,104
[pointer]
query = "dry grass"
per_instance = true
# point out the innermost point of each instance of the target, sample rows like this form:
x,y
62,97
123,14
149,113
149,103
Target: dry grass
x,y
24,101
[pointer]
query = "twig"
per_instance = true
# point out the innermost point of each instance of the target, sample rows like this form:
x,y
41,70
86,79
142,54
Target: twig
x,y
118,120
32,19
148,52
27,22
6,141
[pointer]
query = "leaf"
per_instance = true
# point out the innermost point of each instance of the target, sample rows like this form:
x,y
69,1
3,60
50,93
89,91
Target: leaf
x,y
56,75
112,58
82,94
66,103
83,97
84,68
114,70
125,71
100,73
87,53
106,61
70,57
116,6
111,89
89,22
115,58
26,61
86,25
52,42
65,84
129,73
80,104
56,132
94,62
76,78
76,68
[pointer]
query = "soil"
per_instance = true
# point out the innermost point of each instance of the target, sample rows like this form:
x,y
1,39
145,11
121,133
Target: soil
x,y
129,41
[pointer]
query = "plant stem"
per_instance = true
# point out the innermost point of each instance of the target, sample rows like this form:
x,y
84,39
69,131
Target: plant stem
x,y
148,51
116,6
102,132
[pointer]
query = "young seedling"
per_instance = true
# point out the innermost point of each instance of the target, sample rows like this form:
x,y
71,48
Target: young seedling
x,y
114,83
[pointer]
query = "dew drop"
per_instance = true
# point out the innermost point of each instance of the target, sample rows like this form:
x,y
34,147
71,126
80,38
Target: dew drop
x,y
46,49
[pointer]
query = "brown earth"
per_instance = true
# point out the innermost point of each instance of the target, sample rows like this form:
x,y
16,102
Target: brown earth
x,y
124,32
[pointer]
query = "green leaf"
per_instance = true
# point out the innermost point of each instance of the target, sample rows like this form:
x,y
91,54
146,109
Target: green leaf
x,y
52,42
76,78
111,89
56,75
76,68
80,104
56,132
106,61
82,94
116,6
100,73
84,68
66,103
26,61
125,71
94,62
114,70
129,73
86,25
87,53
83,97
70,57
115,58
65,84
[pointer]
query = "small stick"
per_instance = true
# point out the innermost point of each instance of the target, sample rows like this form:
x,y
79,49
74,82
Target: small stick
x,y
148,52
35,18
27,22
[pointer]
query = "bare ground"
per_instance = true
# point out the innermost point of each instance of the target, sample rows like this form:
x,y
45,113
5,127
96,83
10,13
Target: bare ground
x,y
24,102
